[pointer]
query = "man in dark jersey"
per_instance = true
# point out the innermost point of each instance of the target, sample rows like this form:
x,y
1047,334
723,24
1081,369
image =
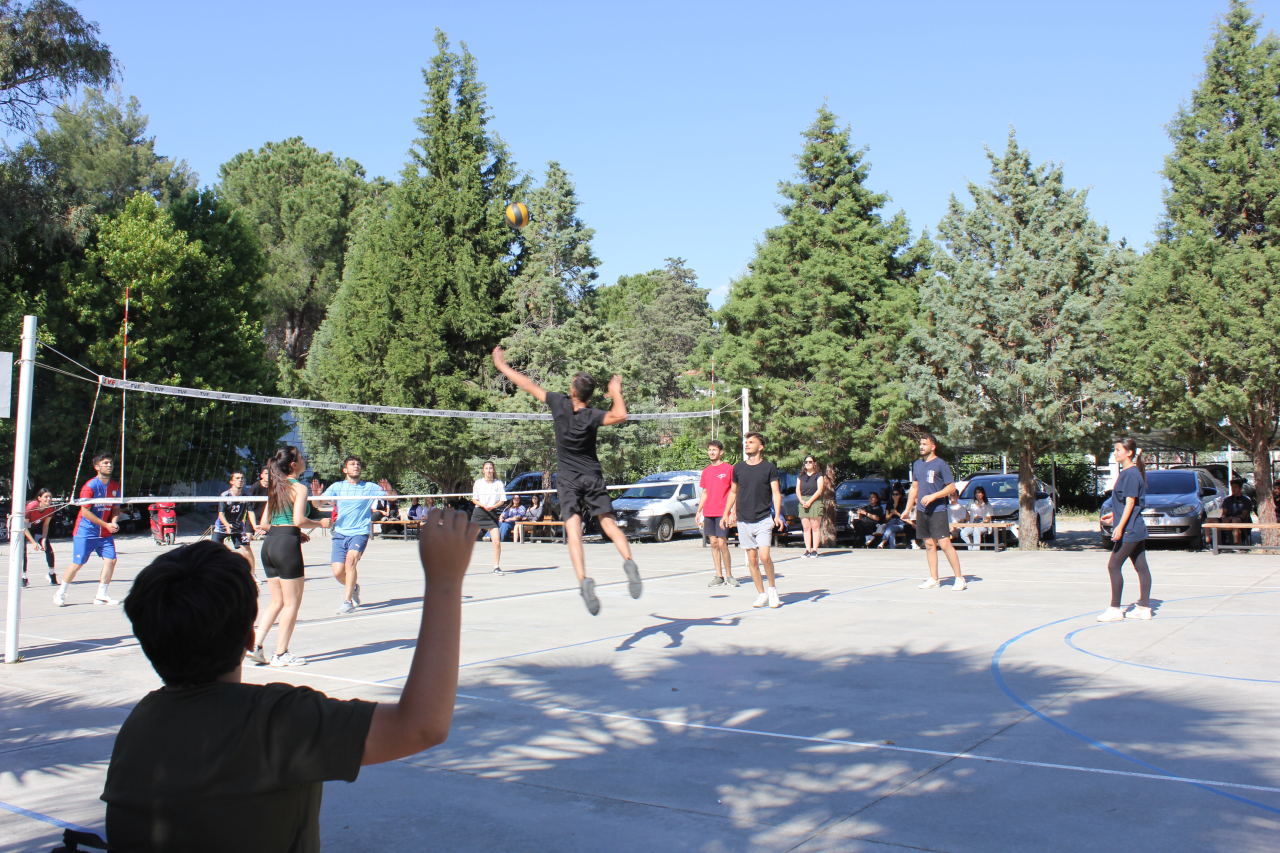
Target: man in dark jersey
x,y
229,526
579,478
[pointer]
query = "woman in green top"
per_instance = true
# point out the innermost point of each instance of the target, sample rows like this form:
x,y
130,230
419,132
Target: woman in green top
x,y
282,554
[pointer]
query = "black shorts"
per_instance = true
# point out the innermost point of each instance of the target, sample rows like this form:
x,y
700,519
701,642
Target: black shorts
x,y
483,519
934,525
579,493
282,553
713,527
237,537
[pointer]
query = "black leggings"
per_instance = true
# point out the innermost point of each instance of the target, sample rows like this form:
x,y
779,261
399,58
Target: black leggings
x,y
282,553
1137,552
45,545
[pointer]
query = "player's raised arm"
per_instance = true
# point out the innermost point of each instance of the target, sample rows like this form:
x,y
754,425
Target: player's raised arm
x,y
618,411
524,383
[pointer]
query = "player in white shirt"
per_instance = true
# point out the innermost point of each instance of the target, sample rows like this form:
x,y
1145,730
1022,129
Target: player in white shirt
x,y
489,494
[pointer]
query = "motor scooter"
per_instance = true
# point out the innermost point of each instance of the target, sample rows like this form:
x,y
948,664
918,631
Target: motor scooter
x,y
164,523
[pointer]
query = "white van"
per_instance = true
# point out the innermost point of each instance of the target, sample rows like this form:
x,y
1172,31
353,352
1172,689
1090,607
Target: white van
x,y
662,510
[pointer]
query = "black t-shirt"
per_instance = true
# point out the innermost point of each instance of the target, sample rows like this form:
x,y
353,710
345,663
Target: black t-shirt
x,y
230,767
809,483
755,496
1237,506
874,513
575,436
233,510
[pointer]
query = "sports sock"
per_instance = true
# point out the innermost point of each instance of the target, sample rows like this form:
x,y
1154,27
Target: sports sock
x,y
102,589
62,588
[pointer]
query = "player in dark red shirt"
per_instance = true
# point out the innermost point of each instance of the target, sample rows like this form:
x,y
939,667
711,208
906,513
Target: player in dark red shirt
x,y
38,513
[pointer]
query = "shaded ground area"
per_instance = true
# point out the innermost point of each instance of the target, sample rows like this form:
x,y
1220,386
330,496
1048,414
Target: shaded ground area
x,y
863,715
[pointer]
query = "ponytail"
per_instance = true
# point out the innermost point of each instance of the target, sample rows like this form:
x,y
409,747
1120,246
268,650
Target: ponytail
x,y
1136,451
279,489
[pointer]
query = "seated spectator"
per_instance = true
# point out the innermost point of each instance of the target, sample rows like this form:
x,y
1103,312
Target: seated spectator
x,y
1238,509
869,519
979,510
898,521
535,512
416,513
513,513
957,513
210,763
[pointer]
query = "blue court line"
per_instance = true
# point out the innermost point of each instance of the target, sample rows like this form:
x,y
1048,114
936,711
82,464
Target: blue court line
x,y
631,633
1096,744
1069,641
61,824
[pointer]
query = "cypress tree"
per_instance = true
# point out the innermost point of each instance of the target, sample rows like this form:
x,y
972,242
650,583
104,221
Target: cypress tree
x,y
813,326
1009,344
422,298
1200,329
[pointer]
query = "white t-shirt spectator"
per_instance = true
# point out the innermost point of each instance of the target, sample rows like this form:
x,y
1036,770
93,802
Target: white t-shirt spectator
x,y
957,512
488,494
979,512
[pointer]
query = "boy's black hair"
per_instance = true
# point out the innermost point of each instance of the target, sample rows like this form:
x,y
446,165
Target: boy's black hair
x,y
932,438
716,443
192,611
756,436
583,387
102,456
352,458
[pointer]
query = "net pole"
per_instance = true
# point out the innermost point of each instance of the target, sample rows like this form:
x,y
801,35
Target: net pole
x,y
124,367
746,421
18,513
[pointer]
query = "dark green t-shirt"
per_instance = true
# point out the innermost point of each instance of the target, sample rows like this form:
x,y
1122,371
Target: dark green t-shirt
x,y
230,767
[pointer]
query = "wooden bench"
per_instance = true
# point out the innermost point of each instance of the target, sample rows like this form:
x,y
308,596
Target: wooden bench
x,y
1214,526
997,527
550,536
405,527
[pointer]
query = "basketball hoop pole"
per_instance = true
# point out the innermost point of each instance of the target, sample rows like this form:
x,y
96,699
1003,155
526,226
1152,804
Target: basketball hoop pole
x,y
18,513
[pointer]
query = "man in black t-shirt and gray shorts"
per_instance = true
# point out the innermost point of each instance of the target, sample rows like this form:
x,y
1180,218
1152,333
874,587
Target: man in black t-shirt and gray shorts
x,y
579,478
931,484
755,503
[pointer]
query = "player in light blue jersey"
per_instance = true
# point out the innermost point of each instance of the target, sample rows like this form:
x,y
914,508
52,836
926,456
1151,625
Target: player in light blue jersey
x,y
352,527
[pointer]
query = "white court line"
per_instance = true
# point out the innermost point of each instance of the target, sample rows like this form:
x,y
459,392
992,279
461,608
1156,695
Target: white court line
x,y
833,741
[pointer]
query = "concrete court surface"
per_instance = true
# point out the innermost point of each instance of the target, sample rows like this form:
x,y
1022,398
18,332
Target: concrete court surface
x,y
863,715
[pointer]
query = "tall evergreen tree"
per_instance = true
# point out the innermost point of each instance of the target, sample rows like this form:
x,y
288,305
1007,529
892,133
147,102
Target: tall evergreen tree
x,y
813,325
1010,339
1200,331
422,299
301,203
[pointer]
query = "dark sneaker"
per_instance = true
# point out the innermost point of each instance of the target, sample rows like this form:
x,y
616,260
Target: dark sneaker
x,y
633,578
589,596
53,579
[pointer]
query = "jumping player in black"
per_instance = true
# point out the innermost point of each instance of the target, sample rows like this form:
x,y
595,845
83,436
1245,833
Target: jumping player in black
x,y
579,478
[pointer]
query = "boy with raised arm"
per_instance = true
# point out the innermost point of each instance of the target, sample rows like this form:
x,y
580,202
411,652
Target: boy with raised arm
x,y
208,763
579,478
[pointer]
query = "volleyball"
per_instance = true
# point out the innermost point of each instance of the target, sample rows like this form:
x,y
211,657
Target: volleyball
x,y
517,215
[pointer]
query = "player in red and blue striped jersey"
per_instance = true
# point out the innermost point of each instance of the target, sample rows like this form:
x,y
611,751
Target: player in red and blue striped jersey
x,y
95,531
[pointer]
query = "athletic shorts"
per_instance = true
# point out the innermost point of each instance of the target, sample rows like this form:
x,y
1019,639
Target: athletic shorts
x,y
343,543
934,525
282,553
483,518
579,493
713,526
239,539
83,547
755,534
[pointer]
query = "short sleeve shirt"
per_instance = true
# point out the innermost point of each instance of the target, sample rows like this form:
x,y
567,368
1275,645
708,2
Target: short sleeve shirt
x,y
931,477
1130,485
484,492
95,488
575,437
755,495
979,513
35,514
716,482
233,510
230,767
957,513
354,516
1237,506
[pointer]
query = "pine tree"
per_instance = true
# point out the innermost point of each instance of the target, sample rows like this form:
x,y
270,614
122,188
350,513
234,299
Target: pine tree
x,y
1010,341
813,326
423,294
1200,331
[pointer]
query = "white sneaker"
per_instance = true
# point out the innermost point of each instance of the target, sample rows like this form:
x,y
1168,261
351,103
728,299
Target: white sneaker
x,y
346,608
930,583
255,657
59,599
287,659
869,538
498,571
761,600
1139,613
104,599
355,595
1111,614
959,585
915,546
774,601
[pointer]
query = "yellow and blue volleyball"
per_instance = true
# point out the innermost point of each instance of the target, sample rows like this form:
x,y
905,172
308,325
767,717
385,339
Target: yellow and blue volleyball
x,y
517,215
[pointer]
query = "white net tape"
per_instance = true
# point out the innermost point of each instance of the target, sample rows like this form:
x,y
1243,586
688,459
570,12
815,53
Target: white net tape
x,y
213,499
177,391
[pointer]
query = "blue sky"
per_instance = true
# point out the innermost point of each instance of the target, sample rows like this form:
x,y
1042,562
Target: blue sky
x,y
677,120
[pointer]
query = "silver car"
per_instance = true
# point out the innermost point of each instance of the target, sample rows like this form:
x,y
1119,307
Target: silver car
x,y
1002,494
662,510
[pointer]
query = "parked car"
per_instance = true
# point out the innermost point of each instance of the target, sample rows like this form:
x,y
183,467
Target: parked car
x,y
662,510
1220,472
1179,500
1002,494
531,481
